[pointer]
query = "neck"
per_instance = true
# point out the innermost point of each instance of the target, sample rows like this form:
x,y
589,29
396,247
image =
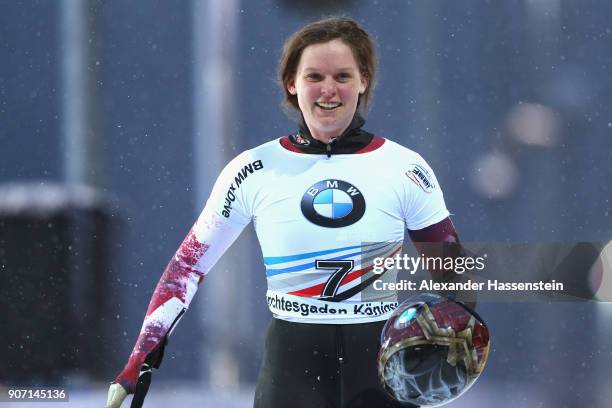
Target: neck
x,y
352,140
325,138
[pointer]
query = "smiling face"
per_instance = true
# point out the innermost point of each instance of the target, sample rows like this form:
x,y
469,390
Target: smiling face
x,y
327,84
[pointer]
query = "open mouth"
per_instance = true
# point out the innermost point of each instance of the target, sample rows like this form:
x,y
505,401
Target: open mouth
x,y
328,106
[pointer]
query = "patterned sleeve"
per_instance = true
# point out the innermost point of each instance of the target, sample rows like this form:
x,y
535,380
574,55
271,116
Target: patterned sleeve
x,y
220,223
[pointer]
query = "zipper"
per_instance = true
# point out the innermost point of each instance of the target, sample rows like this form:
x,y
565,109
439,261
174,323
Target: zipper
x,y
328,147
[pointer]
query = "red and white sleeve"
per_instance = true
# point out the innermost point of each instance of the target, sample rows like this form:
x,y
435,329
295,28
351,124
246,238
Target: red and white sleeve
x,y
207,240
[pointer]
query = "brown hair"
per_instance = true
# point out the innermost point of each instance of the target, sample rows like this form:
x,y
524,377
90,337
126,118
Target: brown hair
x,y
321,31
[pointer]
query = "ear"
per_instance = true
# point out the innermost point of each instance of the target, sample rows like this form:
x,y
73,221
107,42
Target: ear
x,y
364,84
291,87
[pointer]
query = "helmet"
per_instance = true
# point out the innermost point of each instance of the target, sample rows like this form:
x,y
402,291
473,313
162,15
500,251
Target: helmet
x,y
432,350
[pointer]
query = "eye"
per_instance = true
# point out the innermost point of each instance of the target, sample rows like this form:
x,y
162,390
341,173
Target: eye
x,y
313,76
343,76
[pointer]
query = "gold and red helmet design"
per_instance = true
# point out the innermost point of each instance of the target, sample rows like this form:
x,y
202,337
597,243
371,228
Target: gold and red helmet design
x,y
432,350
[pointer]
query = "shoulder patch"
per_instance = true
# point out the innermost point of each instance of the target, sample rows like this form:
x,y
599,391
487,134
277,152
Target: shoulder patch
x,y
421,177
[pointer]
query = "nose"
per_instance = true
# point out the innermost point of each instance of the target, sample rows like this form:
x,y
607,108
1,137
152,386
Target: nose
x,y
328,87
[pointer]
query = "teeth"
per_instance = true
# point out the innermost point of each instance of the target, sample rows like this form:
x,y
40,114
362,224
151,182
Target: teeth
x,y
328,105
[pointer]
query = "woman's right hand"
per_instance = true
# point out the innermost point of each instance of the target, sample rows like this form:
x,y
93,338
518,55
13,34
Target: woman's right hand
x,y
116,395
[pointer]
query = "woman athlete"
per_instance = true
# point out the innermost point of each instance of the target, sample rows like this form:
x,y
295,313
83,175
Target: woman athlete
x,y
325,202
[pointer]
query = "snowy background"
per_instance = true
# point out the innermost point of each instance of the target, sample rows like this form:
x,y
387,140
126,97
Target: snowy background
x,y
116,117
